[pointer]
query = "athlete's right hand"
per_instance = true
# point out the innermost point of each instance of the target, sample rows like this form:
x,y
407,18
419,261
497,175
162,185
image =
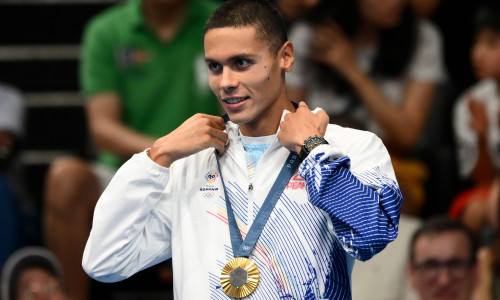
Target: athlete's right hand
x,y
195,134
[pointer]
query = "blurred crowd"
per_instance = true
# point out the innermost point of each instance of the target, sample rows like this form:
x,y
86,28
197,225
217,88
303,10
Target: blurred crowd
x,y
421,74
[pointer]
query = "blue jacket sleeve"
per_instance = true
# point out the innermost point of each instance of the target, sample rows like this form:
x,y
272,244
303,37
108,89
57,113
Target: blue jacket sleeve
x,y
364,219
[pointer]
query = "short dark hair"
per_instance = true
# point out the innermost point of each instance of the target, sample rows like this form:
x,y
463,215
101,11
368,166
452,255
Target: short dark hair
x,y
261,15
442,224
487,16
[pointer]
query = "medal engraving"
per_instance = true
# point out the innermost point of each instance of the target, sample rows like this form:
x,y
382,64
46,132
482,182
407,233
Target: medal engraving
x,y
238,277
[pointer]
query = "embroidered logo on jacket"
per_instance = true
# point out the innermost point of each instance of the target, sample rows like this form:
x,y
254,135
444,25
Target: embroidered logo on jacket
x,y
211,176
208,190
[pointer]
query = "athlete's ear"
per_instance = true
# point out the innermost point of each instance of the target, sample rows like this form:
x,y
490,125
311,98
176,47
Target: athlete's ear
x,y
286,56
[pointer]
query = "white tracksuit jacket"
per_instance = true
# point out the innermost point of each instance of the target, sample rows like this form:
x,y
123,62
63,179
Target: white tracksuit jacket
x,y
344,204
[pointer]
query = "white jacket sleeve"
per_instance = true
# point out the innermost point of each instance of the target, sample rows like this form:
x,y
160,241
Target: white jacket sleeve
x,y
131,229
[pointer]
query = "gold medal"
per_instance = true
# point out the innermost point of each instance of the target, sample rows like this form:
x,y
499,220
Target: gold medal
x,y
239,277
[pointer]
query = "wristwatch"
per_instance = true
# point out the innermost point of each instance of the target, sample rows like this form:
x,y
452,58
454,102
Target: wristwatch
x,y
309,144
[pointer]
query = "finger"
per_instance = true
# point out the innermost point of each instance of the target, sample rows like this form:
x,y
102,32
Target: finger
x,y
208,123
219,145
473,103
318,29
218,125
322,40
322,113
218,122
219,135
302,104
325,120
326,30
217,138
473,109
208,140
339,32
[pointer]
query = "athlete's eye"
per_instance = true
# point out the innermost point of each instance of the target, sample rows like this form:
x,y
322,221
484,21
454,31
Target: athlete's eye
x,y
242,63
214,67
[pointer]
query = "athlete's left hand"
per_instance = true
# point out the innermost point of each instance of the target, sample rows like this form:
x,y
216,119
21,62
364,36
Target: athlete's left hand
x,y
298,126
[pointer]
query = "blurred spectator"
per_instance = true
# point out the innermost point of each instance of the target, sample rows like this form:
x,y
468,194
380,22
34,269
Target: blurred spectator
x,y
295,10
384,277
372,65
451,17
477,123
33,273
425,8
488,287
14,202
443,260
143,73
11,123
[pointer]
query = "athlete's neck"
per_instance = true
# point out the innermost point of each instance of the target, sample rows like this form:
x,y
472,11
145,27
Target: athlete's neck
x,y
268,122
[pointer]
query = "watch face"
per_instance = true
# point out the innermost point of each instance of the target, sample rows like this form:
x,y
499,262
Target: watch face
x,y
312,142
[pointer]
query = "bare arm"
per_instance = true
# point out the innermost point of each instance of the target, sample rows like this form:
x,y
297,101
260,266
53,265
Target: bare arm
x,y
484,171
403,124
107,129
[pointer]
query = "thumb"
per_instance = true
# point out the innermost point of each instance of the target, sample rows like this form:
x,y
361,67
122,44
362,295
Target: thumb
x,y
303,105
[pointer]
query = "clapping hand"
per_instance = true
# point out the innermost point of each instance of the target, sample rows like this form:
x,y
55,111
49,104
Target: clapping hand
x,y
332,47
479,117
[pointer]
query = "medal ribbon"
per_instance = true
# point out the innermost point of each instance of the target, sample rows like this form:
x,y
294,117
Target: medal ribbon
x,y
243,248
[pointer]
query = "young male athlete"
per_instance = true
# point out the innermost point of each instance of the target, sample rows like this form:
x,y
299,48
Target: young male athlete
x,y
219,195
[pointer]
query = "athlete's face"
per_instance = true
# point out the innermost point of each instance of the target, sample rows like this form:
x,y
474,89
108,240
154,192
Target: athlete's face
x,y
246,77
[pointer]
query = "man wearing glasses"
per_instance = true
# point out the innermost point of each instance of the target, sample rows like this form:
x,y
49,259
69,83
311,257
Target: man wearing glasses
x,y
443,260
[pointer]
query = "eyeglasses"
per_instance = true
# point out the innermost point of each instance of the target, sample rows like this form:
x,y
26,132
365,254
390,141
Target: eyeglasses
x,y
33,291
430,269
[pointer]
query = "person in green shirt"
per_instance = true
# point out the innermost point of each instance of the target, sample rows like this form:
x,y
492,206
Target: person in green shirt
x,y
142,73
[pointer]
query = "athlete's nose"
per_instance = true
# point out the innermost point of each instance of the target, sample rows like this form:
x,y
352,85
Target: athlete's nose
x,y
229,79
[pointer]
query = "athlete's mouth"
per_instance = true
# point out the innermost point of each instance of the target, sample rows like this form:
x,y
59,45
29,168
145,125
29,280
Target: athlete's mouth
x,y
234,100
